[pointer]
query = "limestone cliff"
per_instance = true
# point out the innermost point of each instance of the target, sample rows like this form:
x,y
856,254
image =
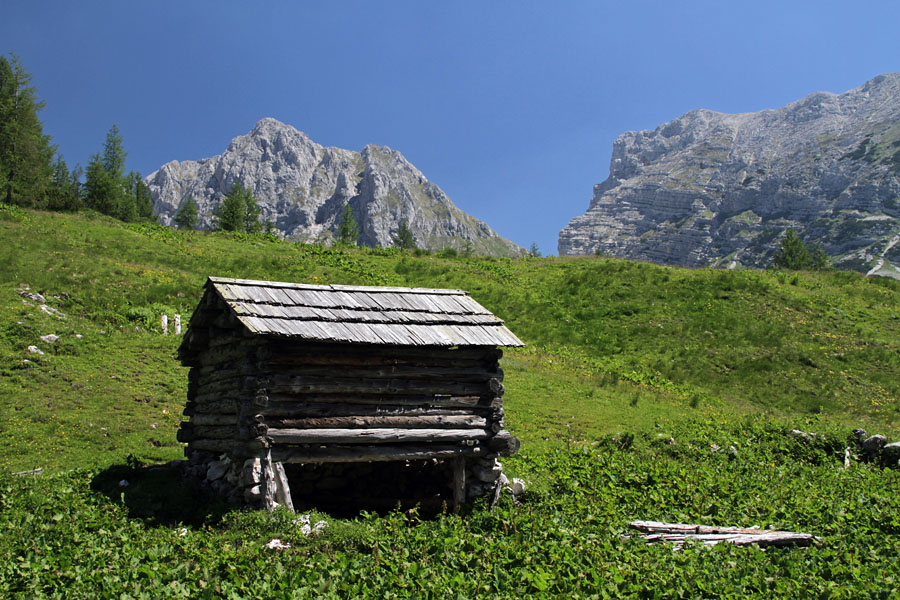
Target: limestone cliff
x,y
721,189
303,188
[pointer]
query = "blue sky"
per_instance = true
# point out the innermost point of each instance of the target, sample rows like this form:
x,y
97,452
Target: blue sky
x,y
510,107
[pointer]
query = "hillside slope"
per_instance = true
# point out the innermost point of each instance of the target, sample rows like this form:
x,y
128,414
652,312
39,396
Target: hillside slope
x,y
718,189
303,188
610,342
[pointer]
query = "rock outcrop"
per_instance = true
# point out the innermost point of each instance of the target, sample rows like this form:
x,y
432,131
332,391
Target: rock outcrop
x,y
715,189
303,188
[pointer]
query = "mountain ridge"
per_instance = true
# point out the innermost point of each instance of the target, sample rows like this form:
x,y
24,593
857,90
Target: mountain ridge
x,y
718,189
304,187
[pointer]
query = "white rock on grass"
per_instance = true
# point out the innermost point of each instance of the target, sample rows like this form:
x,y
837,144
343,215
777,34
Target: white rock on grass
x,y
35,350
50,338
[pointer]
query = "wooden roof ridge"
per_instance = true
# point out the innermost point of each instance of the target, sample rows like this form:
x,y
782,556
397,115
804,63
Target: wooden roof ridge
x,y
360,314
372,289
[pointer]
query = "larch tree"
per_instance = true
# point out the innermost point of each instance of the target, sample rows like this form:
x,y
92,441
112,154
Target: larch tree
x,y
26,154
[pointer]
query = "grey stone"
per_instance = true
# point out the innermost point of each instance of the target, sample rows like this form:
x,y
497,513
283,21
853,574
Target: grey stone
x,y
217,470
860,434
874,444
715,189
303,188
890,453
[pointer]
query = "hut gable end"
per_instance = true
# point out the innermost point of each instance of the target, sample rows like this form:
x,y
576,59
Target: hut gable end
x,y
319,384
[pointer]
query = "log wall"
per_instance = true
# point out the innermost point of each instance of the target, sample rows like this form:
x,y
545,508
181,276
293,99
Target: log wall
x,y
261,402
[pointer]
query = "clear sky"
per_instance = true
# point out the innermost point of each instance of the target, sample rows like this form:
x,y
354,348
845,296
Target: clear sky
x,y
510,107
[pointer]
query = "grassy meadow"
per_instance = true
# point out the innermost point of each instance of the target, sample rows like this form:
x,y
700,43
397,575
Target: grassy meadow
x,y
632,378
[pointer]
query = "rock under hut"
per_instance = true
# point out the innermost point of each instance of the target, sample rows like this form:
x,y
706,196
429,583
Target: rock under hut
x,y
344,398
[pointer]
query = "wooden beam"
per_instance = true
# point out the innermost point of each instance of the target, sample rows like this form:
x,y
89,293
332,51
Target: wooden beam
x,y
379,453
425,421
458,485
373,436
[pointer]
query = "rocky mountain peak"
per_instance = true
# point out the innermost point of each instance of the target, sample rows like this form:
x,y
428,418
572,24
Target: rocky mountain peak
x,y
710,188
304,188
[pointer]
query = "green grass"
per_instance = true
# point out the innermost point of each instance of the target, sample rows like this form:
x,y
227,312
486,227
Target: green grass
x,y
621,358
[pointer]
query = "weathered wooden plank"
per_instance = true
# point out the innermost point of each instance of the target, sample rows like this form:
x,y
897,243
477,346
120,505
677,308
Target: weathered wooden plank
x,y
459,482
223,406
215,419
285,348
379,453
429,373
678,533
274,411
385,386
373,436
426,421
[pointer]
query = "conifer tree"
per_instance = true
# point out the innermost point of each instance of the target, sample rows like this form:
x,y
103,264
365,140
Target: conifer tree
x,y
230,213
252,223
793,254
188,213
404,237
106,184
26,154
348,232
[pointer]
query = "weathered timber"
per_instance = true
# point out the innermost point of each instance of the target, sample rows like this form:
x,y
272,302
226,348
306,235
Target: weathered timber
x,y
287,402
373,436
472,374
459,482
229,445
369,422
289,350
227,406
304,410
313,385
379,453
215,432
215,419
282,489
679,533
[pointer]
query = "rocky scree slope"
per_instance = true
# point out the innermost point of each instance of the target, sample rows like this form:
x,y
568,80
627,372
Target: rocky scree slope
x,y
715,189
303,188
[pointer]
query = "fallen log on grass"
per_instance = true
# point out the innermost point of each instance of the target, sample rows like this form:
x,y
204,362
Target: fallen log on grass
x,y
679,533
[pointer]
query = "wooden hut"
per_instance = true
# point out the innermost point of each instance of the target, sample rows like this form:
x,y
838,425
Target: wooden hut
x,y
321,395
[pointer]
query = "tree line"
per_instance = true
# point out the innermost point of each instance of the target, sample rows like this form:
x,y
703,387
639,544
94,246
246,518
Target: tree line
x,y
34,175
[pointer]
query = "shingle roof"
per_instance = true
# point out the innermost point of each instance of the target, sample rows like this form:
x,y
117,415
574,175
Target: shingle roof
x,y
370,315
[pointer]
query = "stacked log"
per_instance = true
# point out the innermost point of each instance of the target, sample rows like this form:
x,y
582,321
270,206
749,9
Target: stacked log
x,y
264,402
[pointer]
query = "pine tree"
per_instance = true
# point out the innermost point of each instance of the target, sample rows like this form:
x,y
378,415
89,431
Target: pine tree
x,y
107,185
143,200
232,211
348,232
793,254
26,154
404,237
534,251
101,191
64,189
188,213
252,223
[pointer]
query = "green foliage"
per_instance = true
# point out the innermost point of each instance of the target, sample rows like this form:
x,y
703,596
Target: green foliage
x,y
143,200
239,211
106,185
534,251
632,373
404,239
795,255
348,232
26,154
188,214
